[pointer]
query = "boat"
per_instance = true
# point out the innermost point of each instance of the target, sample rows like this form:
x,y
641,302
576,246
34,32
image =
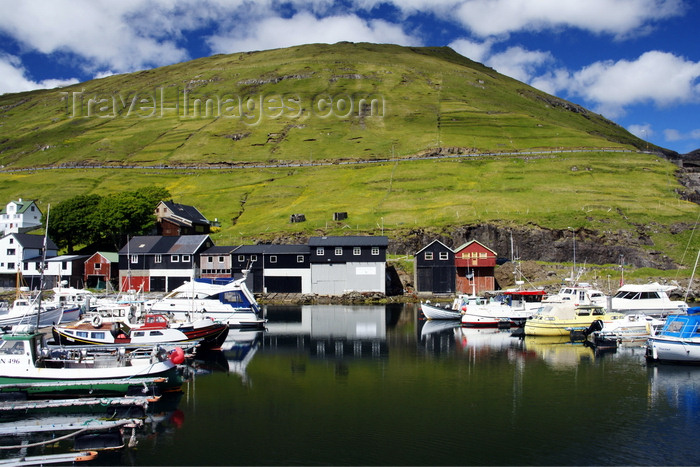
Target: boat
x,y
155,328
231,303
28,367
439,312
24,311
650,299
581,293
626,329
509,308
678,341
560,319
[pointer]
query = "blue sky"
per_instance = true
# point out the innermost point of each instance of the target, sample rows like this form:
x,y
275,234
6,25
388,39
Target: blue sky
x,y
637,62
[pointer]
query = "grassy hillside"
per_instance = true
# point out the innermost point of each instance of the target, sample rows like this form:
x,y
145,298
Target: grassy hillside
x,y
341,103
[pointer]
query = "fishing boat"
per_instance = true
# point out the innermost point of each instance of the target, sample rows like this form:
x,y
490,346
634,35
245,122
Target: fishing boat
x,y
155,328
29,367
231,303
446,311
509,308
560,319
25,310
678,341
650,299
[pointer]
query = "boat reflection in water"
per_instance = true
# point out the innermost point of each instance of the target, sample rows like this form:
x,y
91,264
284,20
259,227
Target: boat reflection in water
x,y
677,385
559,351
328,331
235,354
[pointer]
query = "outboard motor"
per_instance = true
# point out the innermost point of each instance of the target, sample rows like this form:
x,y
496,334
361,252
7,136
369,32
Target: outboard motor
x,y
596,325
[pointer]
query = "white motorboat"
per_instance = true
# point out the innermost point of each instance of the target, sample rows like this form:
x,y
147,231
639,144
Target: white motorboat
x,y
579,294
432,311
630,328
678,340
231,303
510,308
651,299
24,311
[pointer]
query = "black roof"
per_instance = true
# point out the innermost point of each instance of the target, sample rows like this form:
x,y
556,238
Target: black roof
x,y
183,245
219,250
273,249
187,212
351,240
34,241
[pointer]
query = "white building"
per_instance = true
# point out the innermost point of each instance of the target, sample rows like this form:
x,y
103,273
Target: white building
x,y
20,216
20,252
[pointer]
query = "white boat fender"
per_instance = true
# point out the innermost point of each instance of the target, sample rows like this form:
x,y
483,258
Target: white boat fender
x,y
97,321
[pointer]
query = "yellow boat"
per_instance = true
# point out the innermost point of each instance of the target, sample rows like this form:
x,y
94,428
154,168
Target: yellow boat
x,y
559,319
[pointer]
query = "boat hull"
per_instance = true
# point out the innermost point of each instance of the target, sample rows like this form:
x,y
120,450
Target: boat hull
x,y
673,350
47,318
436,312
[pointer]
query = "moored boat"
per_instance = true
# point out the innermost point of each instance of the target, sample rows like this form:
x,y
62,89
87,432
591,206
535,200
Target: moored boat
x,y
560,319
628,328
431,311
24,311
678,341
154,329
650,299
29,367
231,303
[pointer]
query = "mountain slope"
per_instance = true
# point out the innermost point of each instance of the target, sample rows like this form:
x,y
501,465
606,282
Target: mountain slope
x,y
313,102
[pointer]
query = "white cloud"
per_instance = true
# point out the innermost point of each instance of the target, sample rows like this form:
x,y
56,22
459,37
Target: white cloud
x,y
305,28
643,131
14,77
518,62
477,51
660,78
617,17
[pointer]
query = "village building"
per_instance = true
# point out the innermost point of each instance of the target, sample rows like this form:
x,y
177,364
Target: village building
x,y
274,268
215,263
348,264
102,270
21,254
20,216
434,269
160,263
174,219
475,266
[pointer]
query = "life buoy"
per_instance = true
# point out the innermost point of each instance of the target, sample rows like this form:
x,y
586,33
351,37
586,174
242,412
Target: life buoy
x,y
97,321
177,356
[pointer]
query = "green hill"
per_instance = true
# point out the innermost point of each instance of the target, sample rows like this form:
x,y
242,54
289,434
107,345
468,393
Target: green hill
x,y
402,139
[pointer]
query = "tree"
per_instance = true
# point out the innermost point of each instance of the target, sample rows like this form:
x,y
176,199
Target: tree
x,y
72,221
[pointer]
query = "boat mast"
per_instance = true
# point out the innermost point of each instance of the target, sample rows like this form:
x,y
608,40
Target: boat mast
x,y
42,267
690,282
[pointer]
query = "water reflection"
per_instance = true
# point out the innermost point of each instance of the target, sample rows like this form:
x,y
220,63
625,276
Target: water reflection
x,y
328,331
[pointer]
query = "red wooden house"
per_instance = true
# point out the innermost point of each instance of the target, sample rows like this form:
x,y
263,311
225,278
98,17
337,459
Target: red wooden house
x,y
100,268
475,265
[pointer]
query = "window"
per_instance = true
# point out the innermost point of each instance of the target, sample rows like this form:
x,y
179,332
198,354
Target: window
x,y
97,335
300,258
221,259
319,251
159,258
12,240
375,250
338,251
357,251
429,255
175,259
98,266
241,258
134,259
253,258
443,256
64,265
273,259
186,258
10,252
210,259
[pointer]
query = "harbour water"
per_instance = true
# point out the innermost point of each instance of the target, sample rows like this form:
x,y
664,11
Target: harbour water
x,y
377,385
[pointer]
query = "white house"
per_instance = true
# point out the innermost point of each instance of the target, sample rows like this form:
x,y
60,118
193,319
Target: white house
x,y
20,216
20,252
